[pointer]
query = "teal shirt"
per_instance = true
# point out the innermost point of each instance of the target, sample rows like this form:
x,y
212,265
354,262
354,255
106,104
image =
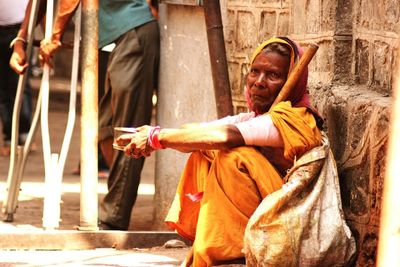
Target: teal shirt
x,y
117,17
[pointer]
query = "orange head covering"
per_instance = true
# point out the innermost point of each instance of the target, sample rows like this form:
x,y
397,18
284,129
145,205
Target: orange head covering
x,y
299,96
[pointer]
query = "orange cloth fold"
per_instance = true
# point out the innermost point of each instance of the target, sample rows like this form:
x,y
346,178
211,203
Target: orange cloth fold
x,y
234,182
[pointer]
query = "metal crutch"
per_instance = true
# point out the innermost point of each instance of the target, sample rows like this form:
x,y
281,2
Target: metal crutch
x,y
18,154
54,166
15,177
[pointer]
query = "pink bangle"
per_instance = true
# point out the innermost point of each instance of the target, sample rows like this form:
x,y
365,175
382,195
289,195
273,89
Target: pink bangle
x,y
153,138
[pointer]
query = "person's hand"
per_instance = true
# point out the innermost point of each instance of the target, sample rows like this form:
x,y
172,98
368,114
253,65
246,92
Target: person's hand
x,y
124,139
136,144
47,50
18,58
153,9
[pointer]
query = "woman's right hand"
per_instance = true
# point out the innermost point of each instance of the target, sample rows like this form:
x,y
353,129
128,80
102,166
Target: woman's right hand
x,y
136,144
47,50
18,58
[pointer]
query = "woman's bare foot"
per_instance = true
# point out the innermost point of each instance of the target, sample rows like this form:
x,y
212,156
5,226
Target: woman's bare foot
x,y
187,262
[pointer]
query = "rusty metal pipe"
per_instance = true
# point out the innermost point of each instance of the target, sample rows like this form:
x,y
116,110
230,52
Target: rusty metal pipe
x,y
219,65
89,116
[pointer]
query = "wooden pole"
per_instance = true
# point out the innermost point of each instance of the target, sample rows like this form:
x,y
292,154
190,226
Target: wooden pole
x,y
296,74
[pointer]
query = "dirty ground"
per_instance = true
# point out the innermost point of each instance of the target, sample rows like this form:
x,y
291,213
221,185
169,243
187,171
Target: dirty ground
x,y
28,216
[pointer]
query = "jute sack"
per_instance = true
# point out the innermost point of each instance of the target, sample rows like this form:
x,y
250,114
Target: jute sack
x,y
302,224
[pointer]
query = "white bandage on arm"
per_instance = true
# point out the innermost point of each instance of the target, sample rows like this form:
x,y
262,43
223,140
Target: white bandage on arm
x,y
260,131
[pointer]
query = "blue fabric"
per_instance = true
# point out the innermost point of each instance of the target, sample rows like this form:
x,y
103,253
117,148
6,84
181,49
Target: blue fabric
x,y
116,17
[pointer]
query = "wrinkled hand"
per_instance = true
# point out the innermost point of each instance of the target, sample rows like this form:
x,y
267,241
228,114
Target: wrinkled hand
x,y
136,145
18,60
47,50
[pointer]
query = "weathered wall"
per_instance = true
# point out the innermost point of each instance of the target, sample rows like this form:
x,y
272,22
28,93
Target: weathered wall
x,y
350,83
375,38
357,121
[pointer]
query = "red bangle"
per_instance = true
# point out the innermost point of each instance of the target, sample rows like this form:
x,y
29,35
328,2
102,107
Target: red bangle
x,y
153,138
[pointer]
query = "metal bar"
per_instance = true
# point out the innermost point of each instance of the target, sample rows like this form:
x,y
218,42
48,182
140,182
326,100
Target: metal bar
x,y
49,221
72,100
389,234
52,198
89,116
44,87
219,65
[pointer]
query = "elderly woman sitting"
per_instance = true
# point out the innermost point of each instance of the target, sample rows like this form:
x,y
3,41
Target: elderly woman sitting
x,y
238,160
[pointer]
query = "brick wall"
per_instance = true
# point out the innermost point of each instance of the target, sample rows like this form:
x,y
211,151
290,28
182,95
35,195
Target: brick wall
x,y
374,43
247,24
350,83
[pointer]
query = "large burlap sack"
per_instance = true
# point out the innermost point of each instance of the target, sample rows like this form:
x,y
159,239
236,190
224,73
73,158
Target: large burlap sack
x,y
302,224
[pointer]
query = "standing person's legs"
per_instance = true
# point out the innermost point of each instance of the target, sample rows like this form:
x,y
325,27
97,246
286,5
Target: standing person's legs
x,y
5,112
103,62
25,116
8,88
131,75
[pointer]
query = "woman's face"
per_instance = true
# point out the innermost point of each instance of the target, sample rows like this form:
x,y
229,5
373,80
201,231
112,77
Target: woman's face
x,y
266,77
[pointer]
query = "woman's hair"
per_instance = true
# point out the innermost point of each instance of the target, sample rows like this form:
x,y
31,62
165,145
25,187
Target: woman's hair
x,y
282,49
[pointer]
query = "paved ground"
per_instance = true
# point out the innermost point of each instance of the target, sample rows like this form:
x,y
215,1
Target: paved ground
x,y
97,257
28,217
29,210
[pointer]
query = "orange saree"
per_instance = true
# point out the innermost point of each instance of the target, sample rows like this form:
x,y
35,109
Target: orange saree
x,y
233,183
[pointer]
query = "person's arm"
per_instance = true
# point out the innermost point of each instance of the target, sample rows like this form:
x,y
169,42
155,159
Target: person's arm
x,y
48,48
201,138
182,139
65,12
225,133
18,58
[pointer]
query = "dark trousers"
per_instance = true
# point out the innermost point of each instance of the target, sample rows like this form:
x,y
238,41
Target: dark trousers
x,y
131,77
8,87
